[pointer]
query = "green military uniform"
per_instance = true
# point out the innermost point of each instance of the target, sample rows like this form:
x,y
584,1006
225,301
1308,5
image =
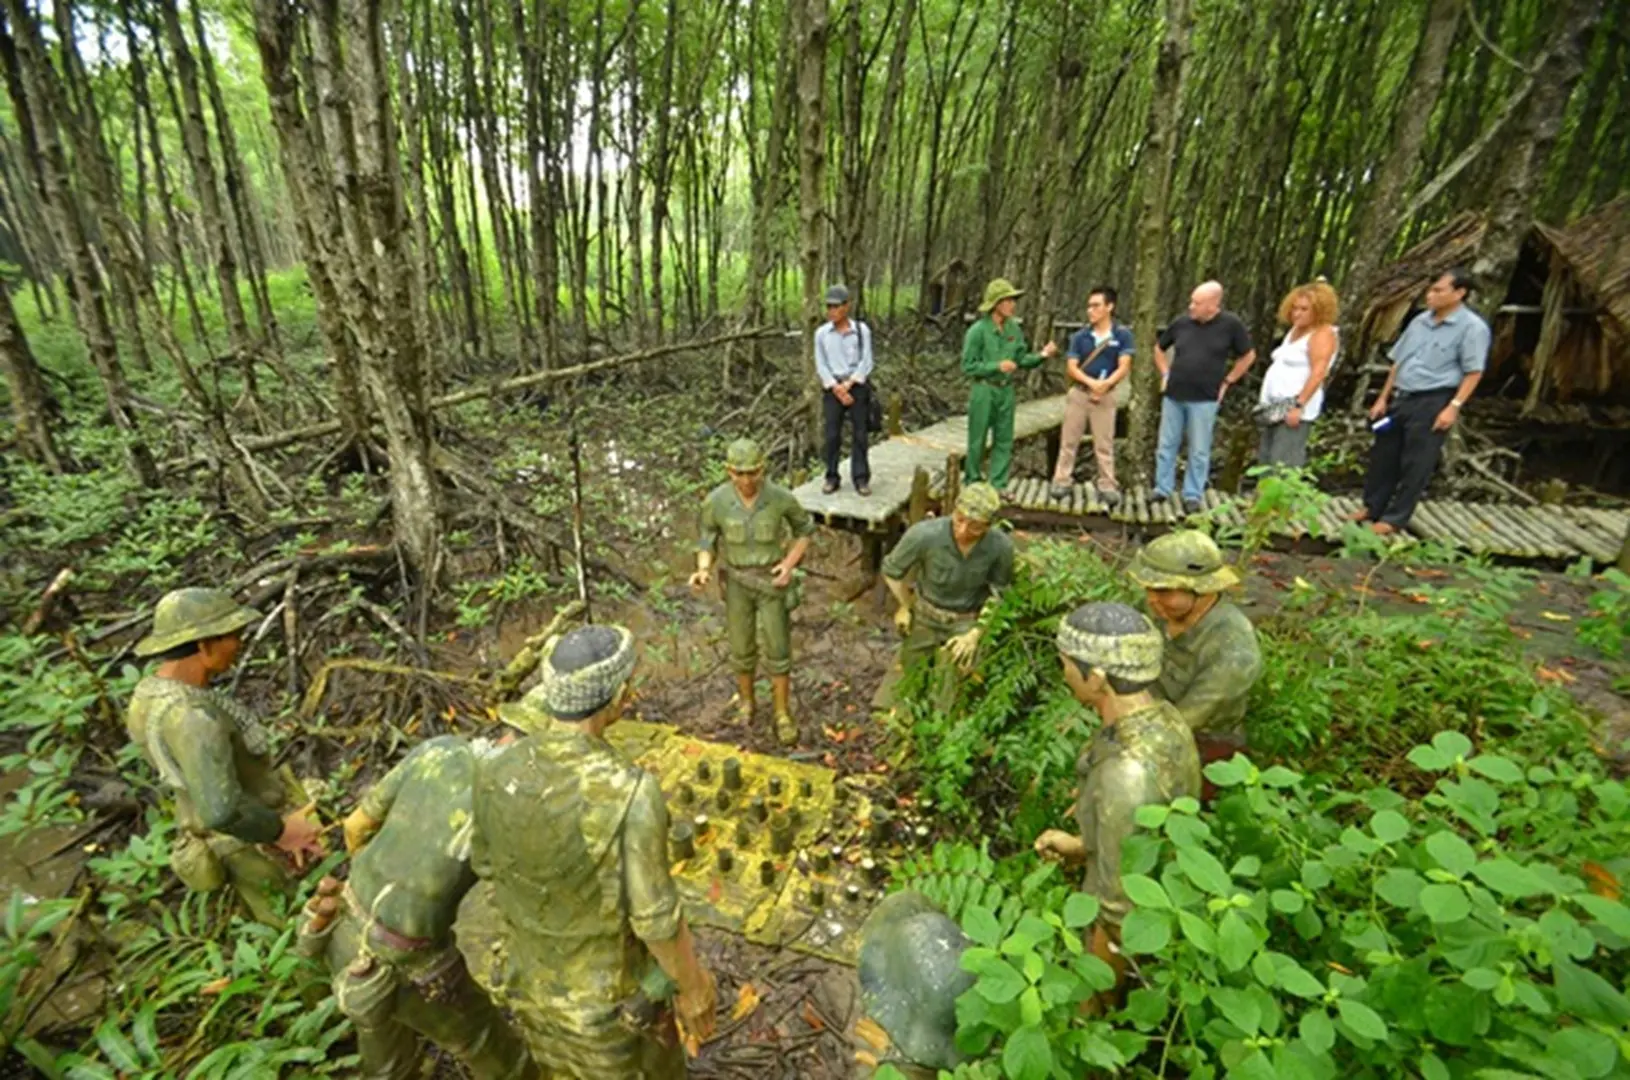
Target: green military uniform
x,y
211,755
1144,758
748,541
396,969
951,587
992,401
573,838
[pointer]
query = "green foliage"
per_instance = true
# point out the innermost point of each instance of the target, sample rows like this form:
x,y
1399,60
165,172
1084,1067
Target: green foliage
x,y
1607,628
28,927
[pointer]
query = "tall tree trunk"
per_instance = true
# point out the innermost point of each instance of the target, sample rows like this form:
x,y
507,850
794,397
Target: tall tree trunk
x,y
662,164
33,412
540,203
1379,222
877,158
1165,104
633,195
30,82
812,33
769,187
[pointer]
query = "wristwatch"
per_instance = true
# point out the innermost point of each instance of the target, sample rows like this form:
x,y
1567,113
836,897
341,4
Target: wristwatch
x,y
1456,403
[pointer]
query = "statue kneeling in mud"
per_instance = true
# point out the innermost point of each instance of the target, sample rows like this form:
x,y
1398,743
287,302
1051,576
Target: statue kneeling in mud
x,y
744,526
910,978
211,754
1212,658
574,840
387,933
962,566
1142,755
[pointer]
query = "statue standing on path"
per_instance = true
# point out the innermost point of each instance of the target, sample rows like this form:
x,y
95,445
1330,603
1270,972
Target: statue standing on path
x,y
745,527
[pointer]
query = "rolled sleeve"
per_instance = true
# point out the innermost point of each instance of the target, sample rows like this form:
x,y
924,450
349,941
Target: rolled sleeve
x,y
1001,571
381,797
707,531
798,519
905,555
1123,337
1474,346
653,900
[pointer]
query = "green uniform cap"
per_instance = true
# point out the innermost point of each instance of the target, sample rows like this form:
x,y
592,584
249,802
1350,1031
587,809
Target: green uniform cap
x,y
911,976
744,455
1186,559
997,291
1113,638
192,615
978,501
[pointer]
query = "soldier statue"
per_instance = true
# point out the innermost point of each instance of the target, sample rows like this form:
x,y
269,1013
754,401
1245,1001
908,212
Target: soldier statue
x,y
1142,755
910,979
574,841
211,754
962,565
1212,657
387,933
745,526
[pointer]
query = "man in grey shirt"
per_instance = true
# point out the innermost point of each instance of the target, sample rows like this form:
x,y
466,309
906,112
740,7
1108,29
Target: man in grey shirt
x,y
843,361
1436,364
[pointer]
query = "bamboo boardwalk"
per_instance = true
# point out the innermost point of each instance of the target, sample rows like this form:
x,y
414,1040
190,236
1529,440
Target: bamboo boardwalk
x,y
1555,533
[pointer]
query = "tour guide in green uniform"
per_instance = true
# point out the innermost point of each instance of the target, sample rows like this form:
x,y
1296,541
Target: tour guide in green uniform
x,y
743,522
396,969
992,351
1142,755
962,565
210,752
574,839
1212,655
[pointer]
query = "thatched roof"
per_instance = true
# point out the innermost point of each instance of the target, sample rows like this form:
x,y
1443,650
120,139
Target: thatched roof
x,y
1596,250
1400,285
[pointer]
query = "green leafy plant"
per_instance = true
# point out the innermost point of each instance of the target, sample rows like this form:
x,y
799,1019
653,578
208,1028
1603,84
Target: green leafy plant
x,y
1607,628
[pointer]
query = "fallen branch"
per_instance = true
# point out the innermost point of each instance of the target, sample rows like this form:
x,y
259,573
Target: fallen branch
x,y
515,672
319,685
462,397
48,601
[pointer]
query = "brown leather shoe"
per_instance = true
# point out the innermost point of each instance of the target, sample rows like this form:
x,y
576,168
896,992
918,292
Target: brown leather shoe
x,y
829,487
863,490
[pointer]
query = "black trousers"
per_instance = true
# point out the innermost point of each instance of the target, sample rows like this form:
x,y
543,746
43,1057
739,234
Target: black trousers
x,y
1404,456
833,412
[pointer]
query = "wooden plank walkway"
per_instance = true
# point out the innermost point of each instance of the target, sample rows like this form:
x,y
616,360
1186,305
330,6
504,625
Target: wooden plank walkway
x,y
1556,533
895,461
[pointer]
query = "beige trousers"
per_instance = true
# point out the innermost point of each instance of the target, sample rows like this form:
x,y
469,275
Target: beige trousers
x,y
1079,414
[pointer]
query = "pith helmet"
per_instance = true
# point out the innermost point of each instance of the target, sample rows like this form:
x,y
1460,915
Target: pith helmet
x,y
744,455
1186,559
978,501
997,291
910,977
193,615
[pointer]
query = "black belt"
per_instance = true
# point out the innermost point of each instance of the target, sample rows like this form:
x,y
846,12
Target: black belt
x,y
1400,395
992,381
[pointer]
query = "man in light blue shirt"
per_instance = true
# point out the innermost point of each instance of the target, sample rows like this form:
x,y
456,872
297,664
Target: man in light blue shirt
x,y
1436,364
843,361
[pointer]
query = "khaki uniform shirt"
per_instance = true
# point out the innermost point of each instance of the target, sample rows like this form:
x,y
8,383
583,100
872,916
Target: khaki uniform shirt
x,y
413,873
751,538
198,741
1208,671
1140,760
947,578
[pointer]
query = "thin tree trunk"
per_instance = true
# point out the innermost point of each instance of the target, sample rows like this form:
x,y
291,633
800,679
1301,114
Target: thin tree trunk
x,y
812,33
1165,104
662,170
33,412
633,174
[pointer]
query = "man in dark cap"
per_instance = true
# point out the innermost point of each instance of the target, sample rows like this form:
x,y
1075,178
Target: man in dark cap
x,y
574,839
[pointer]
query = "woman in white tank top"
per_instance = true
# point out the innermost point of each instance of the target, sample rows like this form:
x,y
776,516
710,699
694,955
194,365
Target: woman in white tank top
x,y
1293,389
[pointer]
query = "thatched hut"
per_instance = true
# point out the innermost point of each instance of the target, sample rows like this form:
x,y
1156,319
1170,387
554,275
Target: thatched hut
x,y
948,289
1562,332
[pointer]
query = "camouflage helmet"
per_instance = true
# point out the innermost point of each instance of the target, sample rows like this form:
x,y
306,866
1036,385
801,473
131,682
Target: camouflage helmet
x,y
1113,638
1186,559
978,502
998,290
744,455
910,977
186,615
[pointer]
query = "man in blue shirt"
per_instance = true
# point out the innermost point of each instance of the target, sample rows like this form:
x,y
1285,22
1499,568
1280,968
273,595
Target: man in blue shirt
x,y
1098,364
843,360
1436,365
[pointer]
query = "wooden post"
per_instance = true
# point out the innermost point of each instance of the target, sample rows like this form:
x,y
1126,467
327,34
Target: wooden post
x,y
917,508
1624,553
891,417
953,483
1055,442
872,543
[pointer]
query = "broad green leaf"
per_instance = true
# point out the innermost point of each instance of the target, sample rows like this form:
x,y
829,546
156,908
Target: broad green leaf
x,y
1451,852
118,1049
1205,871
1145,892
1239,1008
1280,777
1151,815
1512,879
1481,978
1228,773
1030,932
1400,887
1060,985
999,983
1587,995
1445,903
1248,866
980,924
1098,975
1495,767
1610,913
1030,1006
1288,901
1429,759
1197,932
39,1057
1591,1053
1033,966
146,1034
1452,744
1081,909
1027,1055
1146,1008
1317,1031
1262,967
1296,979
1315,875
1456,1014
1389,826
1236,944
1254,1066
1145,931
1433,1068
1362,1019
